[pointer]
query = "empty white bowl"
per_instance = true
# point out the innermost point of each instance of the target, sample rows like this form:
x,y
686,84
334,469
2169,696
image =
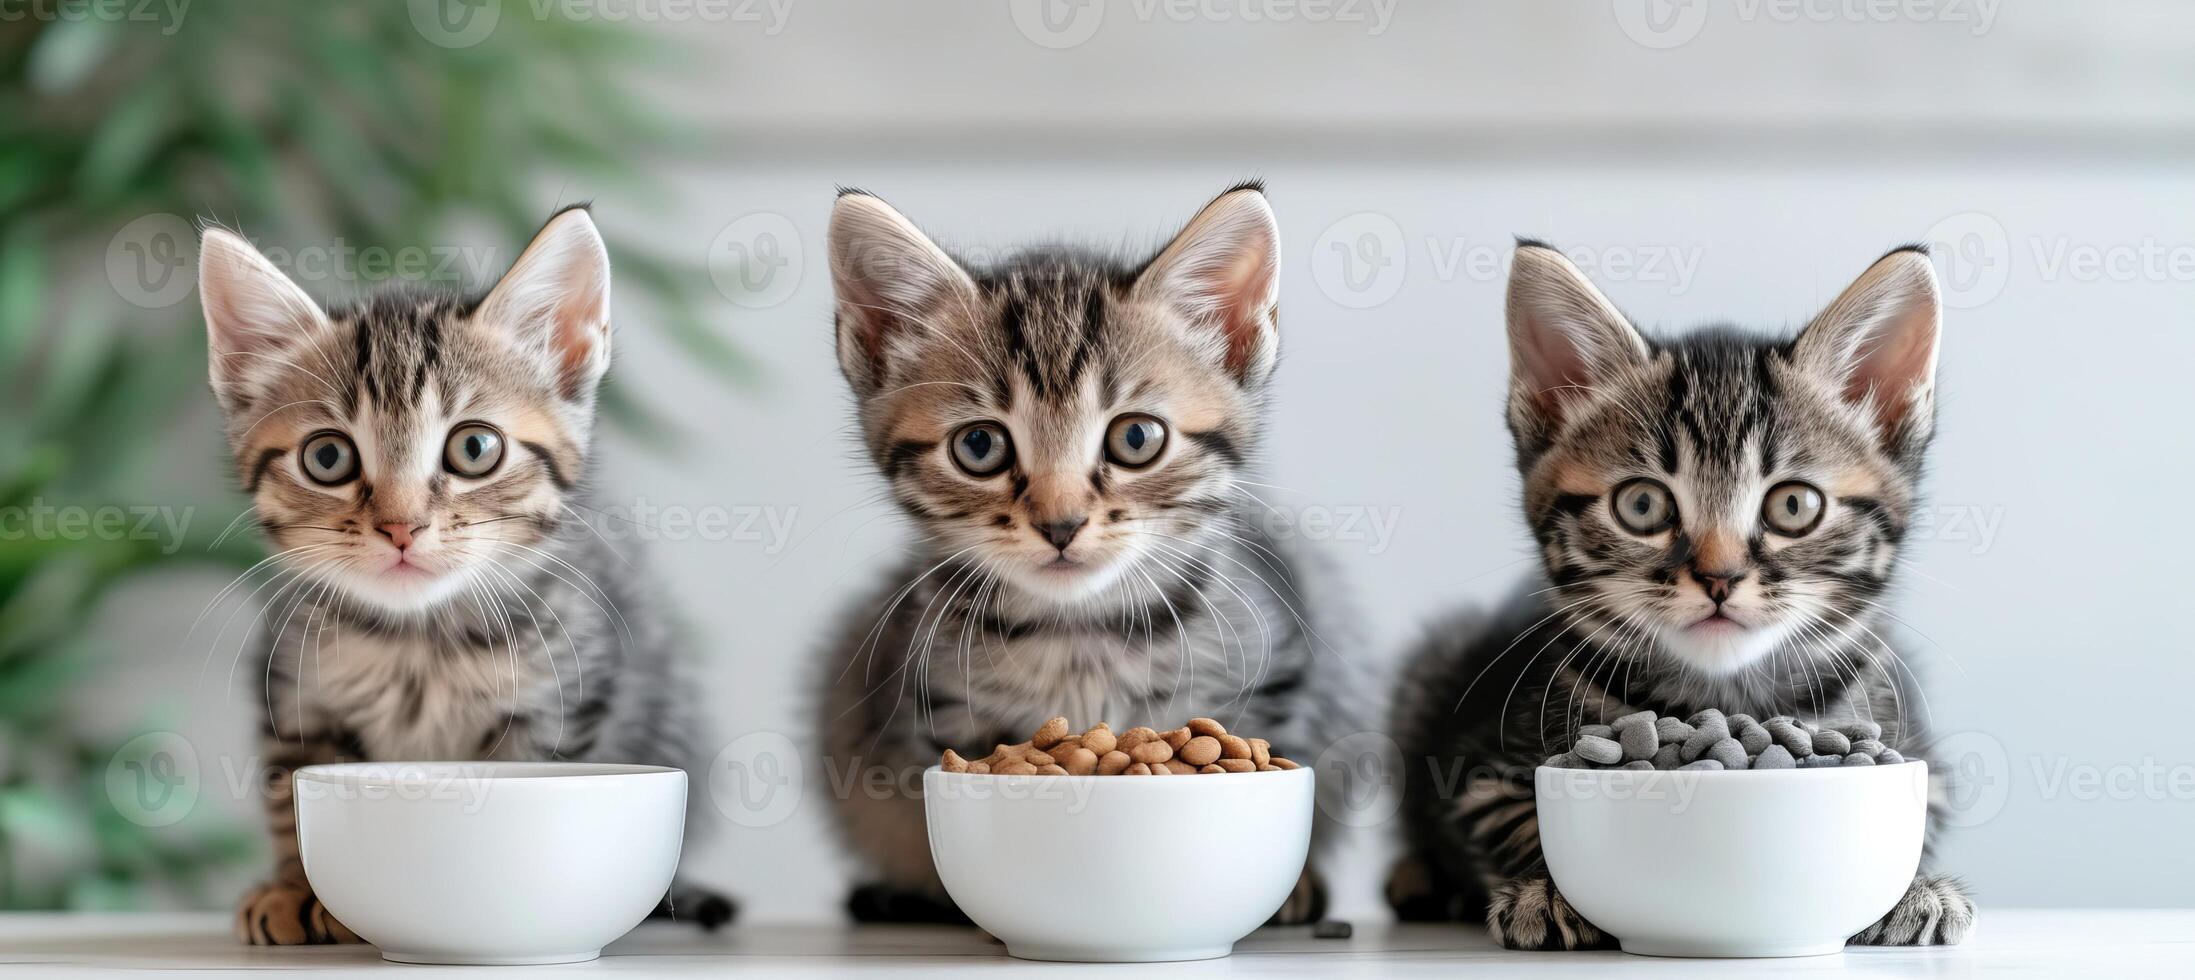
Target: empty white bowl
x,y
1119,869
1787,862
490,863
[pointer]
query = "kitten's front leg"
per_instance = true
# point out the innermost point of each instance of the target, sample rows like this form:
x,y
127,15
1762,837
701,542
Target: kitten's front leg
x,y
1307,903
1527,912
283,911
1934,912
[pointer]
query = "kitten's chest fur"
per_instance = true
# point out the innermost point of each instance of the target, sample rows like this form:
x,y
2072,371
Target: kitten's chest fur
x,y
408,695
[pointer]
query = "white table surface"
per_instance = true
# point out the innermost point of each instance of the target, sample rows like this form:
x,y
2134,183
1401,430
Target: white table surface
x,y
2023,942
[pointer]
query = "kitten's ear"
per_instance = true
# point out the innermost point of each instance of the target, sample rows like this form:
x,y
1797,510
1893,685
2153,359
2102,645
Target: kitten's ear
x,y
1223,273
1565,338
891,282
253,312
556,299
1877,342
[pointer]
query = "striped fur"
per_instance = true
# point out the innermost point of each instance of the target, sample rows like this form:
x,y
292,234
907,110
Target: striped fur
x,y
513,632
1172,601
1621,621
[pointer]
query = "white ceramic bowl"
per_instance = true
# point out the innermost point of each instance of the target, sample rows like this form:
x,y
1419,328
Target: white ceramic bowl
x,y
477,862
1778,863
1119,869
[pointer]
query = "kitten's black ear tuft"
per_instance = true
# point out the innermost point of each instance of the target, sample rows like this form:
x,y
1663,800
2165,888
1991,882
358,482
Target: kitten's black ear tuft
x,y
556,300
891,282
253,312
1565,338
1222,273
1877,343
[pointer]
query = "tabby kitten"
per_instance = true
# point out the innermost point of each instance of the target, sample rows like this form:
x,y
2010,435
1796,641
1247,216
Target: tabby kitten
x,y
415,460
1719,518
1069,436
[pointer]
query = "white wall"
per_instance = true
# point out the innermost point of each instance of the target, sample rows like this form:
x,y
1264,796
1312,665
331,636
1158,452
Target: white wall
x,y
1761,166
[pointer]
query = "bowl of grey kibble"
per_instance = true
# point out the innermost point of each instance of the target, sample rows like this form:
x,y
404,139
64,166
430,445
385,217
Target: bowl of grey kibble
x,y
1725,835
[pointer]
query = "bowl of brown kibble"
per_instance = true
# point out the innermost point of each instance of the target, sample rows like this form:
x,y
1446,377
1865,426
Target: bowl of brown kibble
x,y
1070,846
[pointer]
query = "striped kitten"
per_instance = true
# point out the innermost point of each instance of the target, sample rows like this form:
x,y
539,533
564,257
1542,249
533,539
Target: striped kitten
x,y
415,461
1068,435
1719,518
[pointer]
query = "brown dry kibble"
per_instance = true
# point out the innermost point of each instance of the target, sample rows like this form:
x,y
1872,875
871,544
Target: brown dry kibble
x,y
1080,762
1100,739
1233,747
1202,750
1200,747
1051,733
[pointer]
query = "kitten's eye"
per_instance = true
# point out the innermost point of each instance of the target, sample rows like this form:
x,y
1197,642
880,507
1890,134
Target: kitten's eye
x,y
1135,440
328,458
1793,509
1643,506
474,450
982,449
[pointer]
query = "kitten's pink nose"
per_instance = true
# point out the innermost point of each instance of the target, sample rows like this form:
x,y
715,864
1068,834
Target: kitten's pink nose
x,y
399,534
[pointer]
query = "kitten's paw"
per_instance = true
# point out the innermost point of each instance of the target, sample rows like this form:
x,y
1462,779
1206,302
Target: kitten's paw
x,y
282,913
1528,913
1306,904
1934,912
700,906
893,903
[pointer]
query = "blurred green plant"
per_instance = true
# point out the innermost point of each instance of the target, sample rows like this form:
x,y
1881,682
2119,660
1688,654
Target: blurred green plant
x,y
296,123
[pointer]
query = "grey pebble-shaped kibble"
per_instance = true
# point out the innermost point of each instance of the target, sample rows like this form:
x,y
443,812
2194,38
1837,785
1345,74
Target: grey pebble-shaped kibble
x,y
1669,756
1597,731
1639,764
1703,765
1597,749
1707,733
1859,759
1634,718
1561,760
1868,746
1740,721
1775,757
1639,741
1888,757
1672,730
1862,730
1754,738
1787,733
1829,741
1821,762
1704,715
1729,752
